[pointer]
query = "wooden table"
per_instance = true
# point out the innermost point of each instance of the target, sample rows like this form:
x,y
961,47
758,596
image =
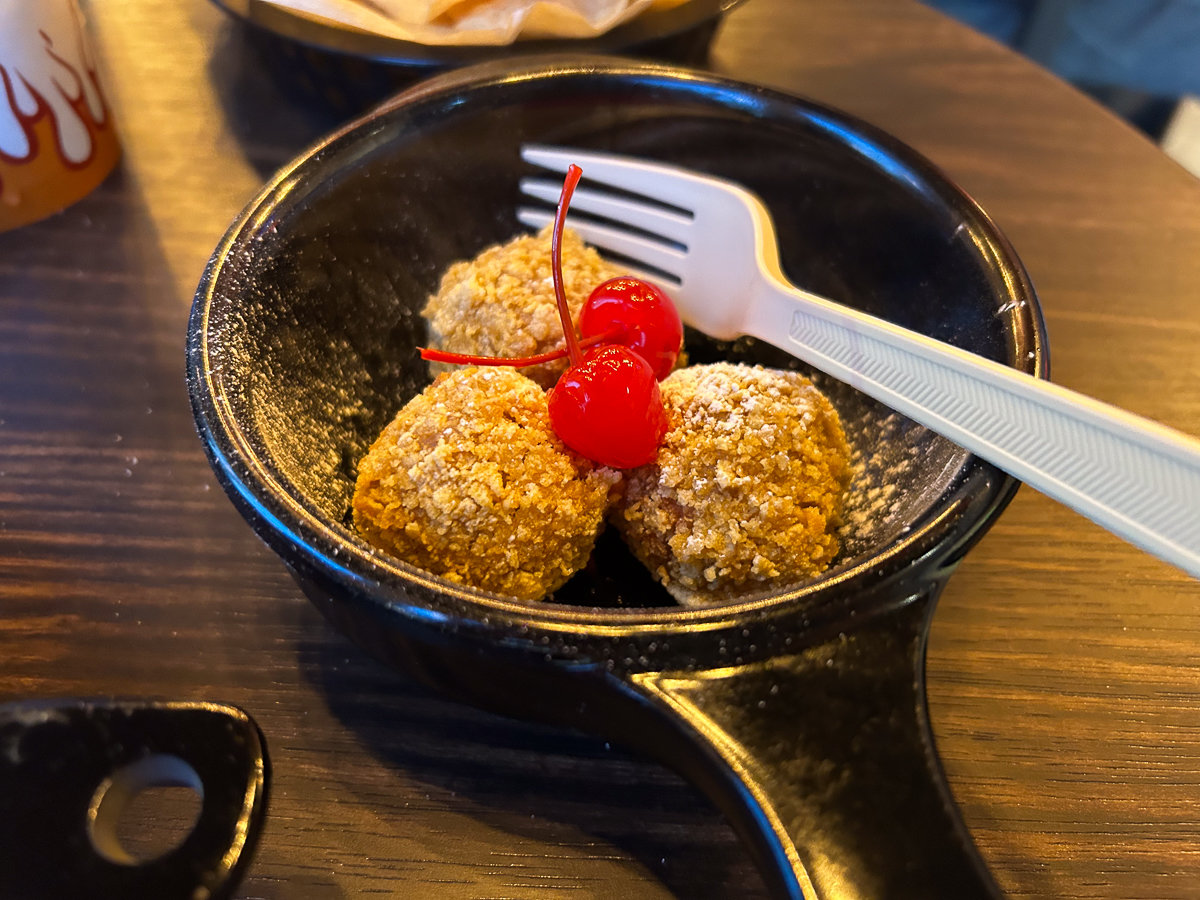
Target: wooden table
x,y
1063,670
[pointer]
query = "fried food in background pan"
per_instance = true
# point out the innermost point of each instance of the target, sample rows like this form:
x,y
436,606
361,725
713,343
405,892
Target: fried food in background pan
x,y
476,22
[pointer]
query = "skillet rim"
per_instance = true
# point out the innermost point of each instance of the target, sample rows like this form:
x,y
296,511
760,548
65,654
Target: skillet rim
x,y
964,511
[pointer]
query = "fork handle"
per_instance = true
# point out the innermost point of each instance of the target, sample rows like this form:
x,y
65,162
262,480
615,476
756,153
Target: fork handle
x,y
1138,479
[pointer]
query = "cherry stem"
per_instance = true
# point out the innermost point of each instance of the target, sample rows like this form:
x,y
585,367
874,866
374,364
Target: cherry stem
x,y
432,354
560,292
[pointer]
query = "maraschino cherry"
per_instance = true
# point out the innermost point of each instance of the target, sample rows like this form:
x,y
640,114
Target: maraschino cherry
x,y
637,314
606,405
608,408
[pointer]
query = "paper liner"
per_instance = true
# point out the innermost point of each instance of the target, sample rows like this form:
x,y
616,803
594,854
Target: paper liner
x,y
475,22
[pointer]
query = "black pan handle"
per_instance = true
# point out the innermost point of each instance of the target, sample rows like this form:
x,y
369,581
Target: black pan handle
x,y
824,760
67,767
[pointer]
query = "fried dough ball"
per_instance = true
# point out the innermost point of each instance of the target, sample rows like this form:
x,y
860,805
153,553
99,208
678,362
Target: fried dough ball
x,y
470,483
501,303
747,488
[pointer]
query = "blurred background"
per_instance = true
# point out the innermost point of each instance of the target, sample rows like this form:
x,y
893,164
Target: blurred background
x,y
1140,58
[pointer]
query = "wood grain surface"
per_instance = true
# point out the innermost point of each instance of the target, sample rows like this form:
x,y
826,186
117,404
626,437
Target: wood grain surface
x,y
1064,666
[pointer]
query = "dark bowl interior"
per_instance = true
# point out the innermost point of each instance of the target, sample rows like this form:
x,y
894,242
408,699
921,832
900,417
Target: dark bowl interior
x,y
303,332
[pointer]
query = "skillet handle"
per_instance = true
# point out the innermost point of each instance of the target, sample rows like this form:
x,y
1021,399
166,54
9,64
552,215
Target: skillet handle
x,y
69,768
825,761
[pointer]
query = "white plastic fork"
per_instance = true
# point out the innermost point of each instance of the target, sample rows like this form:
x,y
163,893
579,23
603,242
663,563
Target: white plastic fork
x,y
1138,479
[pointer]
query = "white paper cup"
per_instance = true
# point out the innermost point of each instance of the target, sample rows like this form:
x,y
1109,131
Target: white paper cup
x,y
57,140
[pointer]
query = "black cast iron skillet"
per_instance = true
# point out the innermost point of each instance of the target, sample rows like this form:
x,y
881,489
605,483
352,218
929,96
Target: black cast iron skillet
x,y
649,29
801,712
71,768
347,70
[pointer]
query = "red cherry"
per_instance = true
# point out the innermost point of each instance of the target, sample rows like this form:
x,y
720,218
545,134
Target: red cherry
x,y
644,316
608,408
607,405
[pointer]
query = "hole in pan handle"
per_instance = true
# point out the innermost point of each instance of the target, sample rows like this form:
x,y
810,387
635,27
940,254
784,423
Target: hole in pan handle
x,y
824,761
69,766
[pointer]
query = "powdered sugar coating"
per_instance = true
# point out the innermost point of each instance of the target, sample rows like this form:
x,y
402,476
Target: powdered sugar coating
x,y
748,486
470,483
501,303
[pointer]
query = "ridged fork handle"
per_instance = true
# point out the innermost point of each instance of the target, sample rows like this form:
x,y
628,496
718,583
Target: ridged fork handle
x,y
1138,479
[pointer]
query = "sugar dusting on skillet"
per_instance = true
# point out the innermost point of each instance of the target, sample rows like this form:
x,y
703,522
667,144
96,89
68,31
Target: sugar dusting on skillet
x,y
315,430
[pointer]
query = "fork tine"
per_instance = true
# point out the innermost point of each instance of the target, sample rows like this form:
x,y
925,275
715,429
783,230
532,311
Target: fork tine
x,y
657,181
661,222
660,257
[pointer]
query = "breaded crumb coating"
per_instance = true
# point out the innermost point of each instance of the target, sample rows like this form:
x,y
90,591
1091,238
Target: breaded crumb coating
x,y
470,483
501,303
747,489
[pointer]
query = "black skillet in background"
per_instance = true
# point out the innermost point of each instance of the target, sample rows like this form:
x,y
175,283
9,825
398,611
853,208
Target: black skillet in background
x,y
647,30
347,70
800,712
